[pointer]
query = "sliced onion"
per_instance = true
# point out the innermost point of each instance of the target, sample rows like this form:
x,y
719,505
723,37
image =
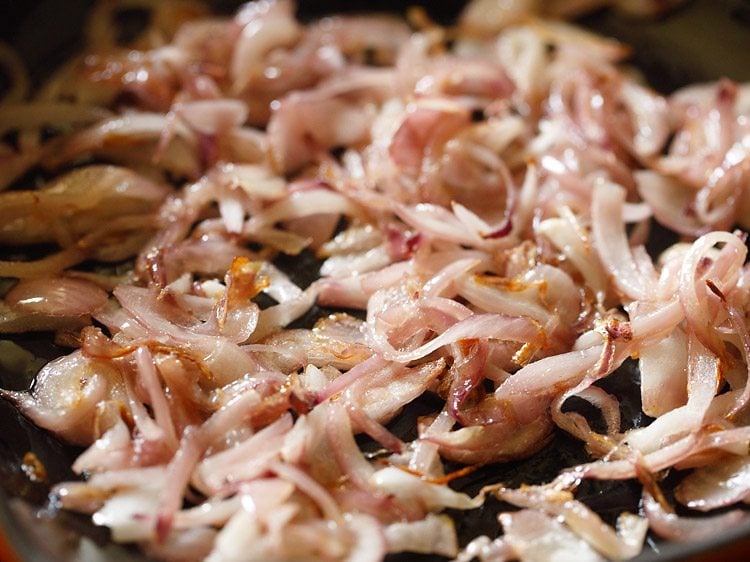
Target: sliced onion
x,y
56,297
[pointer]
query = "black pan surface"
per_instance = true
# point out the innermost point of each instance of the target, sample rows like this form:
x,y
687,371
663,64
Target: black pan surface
x,y
703,40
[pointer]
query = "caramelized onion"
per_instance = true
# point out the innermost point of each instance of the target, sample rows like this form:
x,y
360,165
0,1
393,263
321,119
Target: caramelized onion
x,y
473,205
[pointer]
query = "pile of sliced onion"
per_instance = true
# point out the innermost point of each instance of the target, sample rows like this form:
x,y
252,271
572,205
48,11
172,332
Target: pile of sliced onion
x,y
473,204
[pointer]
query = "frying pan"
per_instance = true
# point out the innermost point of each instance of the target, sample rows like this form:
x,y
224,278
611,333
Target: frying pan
x,y
703,40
